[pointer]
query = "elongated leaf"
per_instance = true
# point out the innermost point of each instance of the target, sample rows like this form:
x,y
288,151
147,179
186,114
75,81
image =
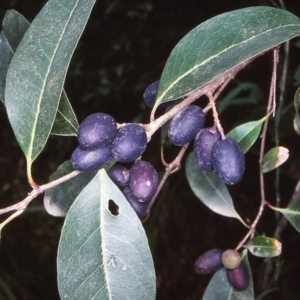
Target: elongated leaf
x,y
246,134
297,107
274,158
292,214
14,28
219,287
262,246
210,190
58,200
37,72
101,255
222,43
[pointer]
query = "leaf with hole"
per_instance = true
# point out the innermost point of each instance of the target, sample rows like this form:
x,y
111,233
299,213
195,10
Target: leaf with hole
x,y
104,254
210,190
37,72
274,158
263,246
219,287
220,44
292,214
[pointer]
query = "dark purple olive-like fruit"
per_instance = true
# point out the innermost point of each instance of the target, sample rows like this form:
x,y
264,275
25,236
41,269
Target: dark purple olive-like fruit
x,y
129,143
139,207
231,259
209,262
185,125
90,160
96,130
238,278
119,175
143,180
203,145
228,161
151,93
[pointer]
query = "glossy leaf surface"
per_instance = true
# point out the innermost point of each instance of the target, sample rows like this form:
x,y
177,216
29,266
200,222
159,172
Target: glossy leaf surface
x,y
220,44
246,134
262,246
101,255
210,190
58,200
292,214
274,158
297,108
37,71
219,287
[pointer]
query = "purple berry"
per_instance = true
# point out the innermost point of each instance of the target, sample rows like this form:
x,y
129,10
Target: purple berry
x,y
151,93
238,278
209,262
96,130
143,180
129,143
119,175
185,125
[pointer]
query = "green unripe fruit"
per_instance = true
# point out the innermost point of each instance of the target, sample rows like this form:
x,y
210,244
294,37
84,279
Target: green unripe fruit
x,y
231,259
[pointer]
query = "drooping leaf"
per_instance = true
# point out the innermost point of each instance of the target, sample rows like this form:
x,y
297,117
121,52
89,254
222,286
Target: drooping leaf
x,y
37,72
14,28
210,190
297,107
58,200
219,287
103,255
292,214
262,246
220,44
274,158
246,134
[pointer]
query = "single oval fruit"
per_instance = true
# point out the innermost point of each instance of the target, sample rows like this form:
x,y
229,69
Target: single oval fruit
x,y
129,143
238,278
96,130
139,207
203,146
143,180
231,259
209,262
228,161
150,93
185,125
90,160
119,175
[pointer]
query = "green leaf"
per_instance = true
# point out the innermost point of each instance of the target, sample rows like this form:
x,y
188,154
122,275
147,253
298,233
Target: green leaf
x,y
14,28
219,287
297,107
210,190
292,214
246,134
58,200
274,158
101,255
262,246
220,44
37,72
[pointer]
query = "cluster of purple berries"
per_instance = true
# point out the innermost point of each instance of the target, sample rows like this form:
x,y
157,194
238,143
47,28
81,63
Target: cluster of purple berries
x,y
215,259
224,156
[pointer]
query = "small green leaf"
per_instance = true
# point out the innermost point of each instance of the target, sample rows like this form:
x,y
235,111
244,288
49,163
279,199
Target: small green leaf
x,y
220,44
103,255
210,190
37,72
58,200
274,158
219,287
246,134
292,214
297,107
262,246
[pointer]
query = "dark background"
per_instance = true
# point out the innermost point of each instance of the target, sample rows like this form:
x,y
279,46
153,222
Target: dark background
x,y
123,49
